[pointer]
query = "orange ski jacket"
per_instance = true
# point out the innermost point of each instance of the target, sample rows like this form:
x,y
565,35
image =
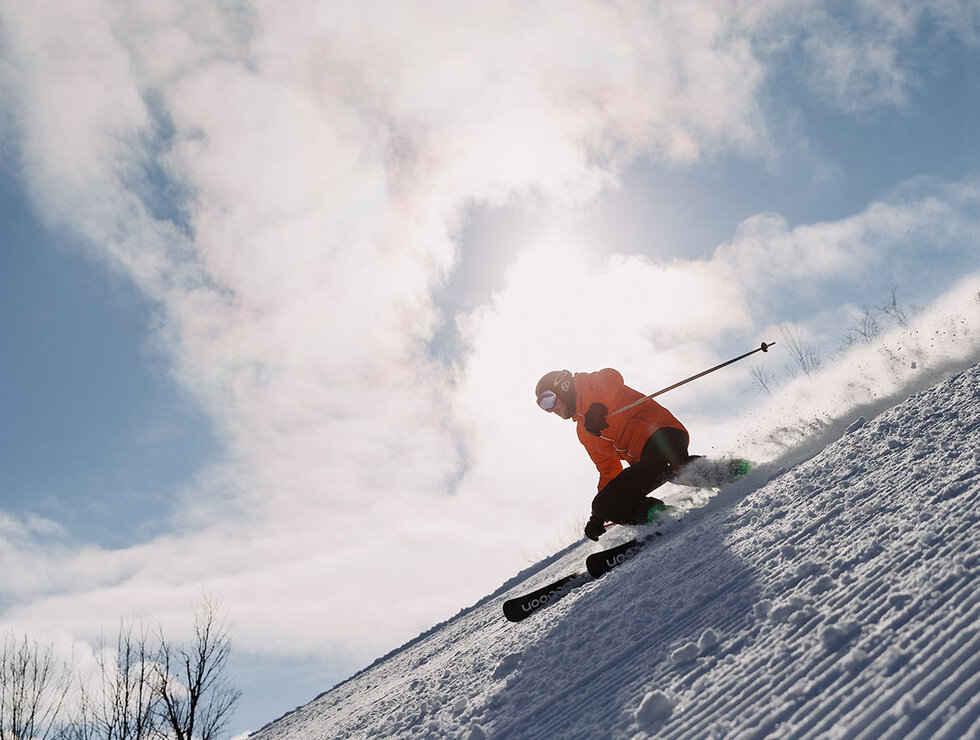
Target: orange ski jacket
x,y
627,432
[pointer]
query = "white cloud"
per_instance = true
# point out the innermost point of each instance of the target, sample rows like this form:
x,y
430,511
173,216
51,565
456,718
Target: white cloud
x,y
322,155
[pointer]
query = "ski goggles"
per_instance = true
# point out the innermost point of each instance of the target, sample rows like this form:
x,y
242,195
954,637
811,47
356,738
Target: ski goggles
x,y
547,400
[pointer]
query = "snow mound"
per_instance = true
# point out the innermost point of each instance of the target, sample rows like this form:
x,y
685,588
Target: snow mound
x,y
837,599
655,708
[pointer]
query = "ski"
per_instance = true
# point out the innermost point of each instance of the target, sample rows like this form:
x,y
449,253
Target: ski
x,y
700,472
597,564
600,563
524,606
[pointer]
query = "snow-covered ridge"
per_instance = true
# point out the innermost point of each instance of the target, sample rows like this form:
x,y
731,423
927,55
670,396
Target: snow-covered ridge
x,y
839,599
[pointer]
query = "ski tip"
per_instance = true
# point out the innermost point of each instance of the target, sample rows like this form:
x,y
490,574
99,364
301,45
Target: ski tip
x,y
523,606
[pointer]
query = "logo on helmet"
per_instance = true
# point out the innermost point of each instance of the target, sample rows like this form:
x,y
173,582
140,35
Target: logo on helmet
x,y
563,381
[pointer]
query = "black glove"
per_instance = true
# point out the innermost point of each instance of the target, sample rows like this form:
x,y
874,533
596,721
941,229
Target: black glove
x,y
594,529
595,419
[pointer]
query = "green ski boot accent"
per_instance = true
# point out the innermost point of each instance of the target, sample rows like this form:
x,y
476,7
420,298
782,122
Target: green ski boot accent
x,y
654,510
741,468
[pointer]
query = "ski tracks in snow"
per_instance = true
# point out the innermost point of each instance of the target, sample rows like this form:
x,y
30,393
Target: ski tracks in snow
x,y
867,622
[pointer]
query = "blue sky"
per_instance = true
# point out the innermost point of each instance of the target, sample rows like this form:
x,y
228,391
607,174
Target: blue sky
x,y
88,406
272,304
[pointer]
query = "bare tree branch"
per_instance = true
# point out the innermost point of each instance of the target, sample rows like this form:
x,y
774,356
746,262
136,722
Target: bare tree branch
x,y
33,688
124,707
196,695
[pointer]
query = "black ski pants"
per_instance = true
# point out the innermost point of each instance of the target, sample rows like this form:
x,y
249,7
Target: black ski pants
x,y
624,499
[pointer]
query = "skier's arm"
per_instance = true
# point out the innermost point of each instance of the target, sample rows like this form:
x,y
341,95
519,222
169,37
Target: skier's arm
x,y
607,462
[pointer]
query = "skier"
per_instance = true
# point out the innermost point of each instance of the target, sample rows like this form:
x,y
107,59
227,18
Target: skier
x,y
648,437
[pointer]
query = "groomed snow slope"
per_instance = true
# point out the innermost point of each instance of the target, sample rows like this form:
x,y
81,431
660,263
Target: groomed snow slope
x,y
839,599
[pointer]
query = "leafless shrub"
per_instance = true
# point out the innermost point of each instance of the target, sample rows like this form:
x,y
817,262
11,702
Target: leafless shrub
x,y
804,356
762,378
894,310
864,329
873,321
34,686
144,689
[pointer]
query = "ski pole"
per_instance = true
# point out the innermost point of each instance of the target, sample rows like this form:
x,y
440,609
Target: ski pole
x,y
763,348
